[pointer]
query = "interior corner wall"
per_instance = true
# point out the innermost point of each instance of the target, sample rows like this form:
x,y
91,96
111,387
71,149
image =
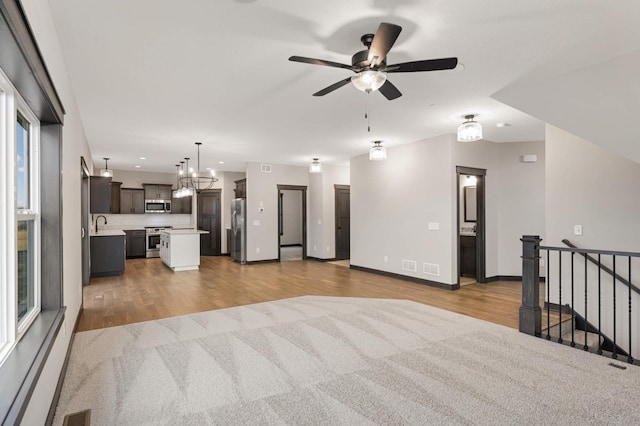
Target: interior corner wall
x,y
392,203
331,176
590,186
262,192
74,146
315,211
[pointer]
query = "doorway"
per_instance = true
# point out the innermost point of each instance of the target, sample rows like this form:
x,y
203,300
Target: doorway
x,y
209,220
292,222
471,225
343,221
84,213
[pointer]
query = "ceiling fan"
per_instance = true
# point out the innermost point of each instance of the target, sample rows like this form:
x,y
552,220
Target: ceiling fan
x,y
371,67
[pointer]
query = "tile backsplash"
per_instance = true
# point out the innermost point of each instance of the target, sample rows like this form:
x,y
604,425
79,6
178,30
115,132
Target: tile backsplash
x,y
139,221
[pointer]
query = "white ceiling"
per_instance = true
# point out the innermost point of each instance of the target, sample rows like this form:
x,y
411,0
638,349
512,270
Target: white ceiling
x,y
151,77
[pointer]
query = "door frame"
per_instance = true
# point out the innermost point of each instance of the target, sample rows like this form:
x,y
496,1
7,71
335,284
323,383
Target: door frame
x,y
85,224
335,222
304,216
481,258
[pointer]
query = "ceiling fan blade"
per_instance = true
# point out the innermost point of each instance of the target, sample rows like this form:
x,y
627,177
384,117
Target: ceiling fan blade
x,y
320,62
333,87
383,40
389,91
426,65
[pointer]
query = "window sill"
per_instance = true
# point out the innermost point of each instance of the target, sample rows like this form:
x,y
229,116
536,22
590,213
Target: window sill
x,y
20,372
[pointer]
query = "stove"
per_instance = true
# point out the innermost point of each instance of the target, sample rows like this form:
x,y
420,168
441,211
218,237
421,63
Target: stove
x,y
153,239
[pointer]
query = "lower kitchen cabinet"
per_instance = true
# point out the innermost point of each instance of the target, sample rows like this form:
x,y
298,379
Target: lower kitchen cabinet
x,y
136,243
180,249
107,255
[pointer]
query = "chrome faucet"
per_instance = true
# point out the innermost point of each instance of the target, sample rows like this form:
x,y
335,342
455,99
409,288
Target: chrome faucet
x,y
105,221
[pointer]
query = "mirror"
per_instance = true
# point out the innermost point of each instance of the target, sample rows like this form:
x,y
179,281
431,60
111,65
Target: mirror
x,y
470,204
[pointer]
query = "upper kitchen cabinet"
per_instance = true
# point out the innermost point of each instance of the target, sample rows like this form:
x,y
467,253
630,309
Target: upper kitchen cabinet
x,y
157,191
100,198
115,197
181,205
241,188
131,201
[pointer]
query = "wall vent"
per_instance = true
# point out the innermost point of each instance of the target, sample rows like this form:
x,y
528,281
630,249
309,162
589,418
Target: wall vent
x,y
409,265
431,269
265,168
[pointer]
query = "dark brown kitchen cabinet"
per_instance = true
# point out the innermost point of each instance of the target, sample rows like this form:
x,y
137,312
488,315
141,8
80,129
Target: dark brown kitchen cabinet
x,y
136,243
181,205
115,197
100,194
131,201
241,188
468,256
156,191
107,255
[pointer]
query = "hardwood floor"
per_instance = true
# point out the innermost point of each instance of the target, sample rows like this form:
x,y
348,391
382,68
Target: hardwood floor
x,y
148,290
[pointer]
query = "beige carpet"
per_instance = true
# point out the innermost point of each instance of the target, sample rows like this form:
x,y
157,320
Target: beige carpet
x,y
330,361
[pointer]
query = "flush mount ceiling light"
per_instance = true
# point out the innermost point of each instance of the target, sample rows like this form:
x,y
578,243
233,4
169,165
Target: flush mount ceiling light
x,y
369,81
470,130
106,172
377,152
190,180
315,166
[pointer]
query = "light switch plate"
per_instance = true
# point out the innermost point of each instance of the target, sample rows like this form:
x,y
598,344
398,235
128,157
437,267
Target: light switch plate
x,y
256,223
434,226
577,229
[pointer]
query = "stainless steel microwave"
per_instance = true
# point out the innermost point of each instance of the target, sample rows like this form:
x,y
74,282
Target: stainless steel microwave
x,y
157,206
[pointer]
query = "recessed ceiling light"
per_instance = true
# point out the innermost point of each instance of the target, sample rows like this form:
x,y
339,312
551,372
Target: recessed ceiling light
x,y
220,162
503,124
143,158
137,166
208,168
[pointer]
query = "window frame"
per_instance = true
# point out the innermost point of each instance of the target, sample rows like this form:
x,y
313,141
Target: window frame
x,y
11,105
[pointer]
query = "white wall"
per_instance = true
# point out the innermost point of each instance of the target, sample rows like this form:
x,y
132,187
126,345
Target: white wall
x,y
262,192
74,146
291,217
590,186
393,201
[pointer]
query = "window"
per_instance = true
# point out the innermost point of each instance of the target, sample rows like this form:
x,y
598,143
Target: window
x,y
20,214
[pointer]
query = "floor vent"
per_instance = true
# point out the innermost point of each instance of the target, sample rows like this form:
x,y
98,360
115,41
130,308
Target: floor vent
x,y
265,168
409,265
431,269
82,418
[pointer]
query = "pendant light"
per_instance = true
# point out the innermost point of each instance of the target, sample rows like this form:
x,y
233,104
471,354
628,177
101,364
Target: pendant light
x,y
470,130
377,152
315,166
106,172
195,180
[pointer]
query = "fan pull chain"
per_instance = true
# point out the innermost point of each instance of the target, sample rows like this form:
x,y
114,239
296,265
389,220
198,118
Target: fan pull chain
x,y
367,116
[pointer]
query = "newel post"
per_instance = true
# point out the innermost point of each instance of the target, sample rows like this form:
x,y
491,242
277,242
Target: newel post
x,y
530,312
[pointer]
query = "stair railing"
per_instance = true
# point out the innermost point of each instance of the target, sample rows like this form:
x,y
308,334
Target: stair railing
x,y
531,313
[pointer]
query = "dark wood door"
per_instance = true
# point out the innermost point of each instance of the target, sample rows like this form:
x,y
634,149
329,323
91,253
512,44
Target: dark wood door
x,y
209,220
343,222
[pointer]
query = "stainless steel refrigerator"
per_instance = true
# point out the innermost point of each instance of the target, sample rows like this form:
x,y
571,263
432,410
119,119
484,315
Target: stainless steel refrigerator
x,y
239,230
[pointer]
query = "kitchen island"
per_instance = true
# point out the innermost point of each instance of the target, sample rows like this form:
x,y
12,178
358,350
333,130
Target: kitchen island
x,y
180,248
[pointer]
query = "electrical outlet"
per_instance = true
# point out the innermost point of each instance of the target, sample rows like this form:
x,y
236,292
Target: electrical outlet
x,y
315,248
386,258
577,229
258,250
328,248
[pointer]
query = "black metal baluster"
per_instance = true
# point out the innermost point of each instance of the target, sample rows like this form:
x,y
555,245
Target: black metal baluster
x,y
630,357
614,355
573,341
599,304
586,317
560,296
548,294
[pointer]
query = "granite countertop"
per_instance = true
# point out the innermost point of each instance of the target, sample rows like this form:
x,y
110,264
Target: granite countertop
x,y
107,233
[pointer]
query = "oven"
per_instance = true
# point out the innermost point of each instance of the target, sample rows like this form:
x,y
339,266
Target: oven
x,y
157,206
153,240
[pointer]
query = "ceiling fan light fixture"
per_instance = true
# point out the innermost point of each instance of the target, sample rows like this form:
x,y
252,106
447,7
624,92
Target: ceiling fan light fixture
x,y
470,130
377,152
106,172
369,81
315,166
